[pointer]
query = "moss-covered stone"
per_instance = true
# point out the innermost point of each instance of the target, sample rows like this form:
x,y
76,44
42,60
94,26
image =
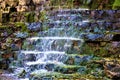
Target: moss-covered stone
x,y
43,15
30,16
53,75
67,69
22,25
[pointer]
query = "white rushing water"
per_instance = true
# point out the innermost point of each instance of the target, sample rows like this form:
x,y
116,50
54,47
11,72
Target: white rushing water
x,y
54,38
49,47
44,62
45,52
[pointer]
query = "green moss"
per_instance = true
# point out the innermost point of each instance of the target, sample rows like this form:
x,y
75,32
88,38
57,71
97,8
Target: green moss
x,y
40,74
116,4
43,15
22,25
3,26
70,66
0,16
30,16
55,75
59,76
87,49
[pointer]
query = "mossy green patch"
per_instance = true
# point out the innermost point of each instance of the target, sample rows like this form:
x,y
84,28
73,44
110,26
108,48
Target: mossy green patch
x,y
0,16
116,4
22,25
30,16
43,15
40,74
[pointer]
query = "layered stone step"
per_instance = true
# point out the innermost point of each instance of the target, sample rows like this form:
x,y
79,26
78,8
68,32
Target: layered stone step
x,y
108,15
38,74
63,72
52,43
50,61
43,56
43,65
87,26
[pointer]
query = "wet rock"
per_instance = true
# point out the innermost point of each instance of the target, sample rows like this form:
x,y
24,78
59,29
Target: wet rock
x,y
93,37
77,60
66,69
36,26
14,47
7,77
30,57
21,34
82,70
20,72
112,70
50,67
108,37
74,47
86,58
57,57
70,61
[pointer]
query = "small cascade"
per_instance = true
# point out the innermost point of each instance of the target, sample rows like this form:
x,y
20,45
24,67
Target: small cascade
x,y
57,48
42,51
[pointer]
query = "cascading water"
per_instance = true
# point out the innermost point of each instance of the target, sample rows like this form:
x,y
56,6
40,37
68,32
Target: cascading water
x,y
51,47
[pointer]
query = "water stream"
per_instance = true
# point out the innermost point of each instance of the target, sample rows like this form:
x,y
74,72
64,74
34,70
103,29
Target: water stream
x,y
56,47
52,46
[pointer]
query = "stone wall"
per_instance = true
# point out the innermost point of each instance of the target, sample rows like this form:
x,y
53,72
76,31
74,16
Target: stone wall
x,y
22,5
101,38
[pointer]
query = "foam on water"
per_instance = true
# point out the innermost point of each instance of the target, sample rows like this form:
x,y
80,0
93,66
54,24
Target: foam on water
x,y
54,38
45,52
43,62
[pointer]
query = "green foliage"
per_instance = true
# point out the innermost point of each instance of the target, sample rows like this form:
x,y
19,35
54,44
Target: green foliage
x,y
22,25
0,16
116,4
43,16
87,49
29,16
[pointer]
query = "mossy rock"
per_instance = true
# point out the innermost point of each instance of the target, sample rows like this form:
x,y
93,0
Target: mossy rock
x,y
43,16
67,69
39,74
29,16
54,75
21,25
